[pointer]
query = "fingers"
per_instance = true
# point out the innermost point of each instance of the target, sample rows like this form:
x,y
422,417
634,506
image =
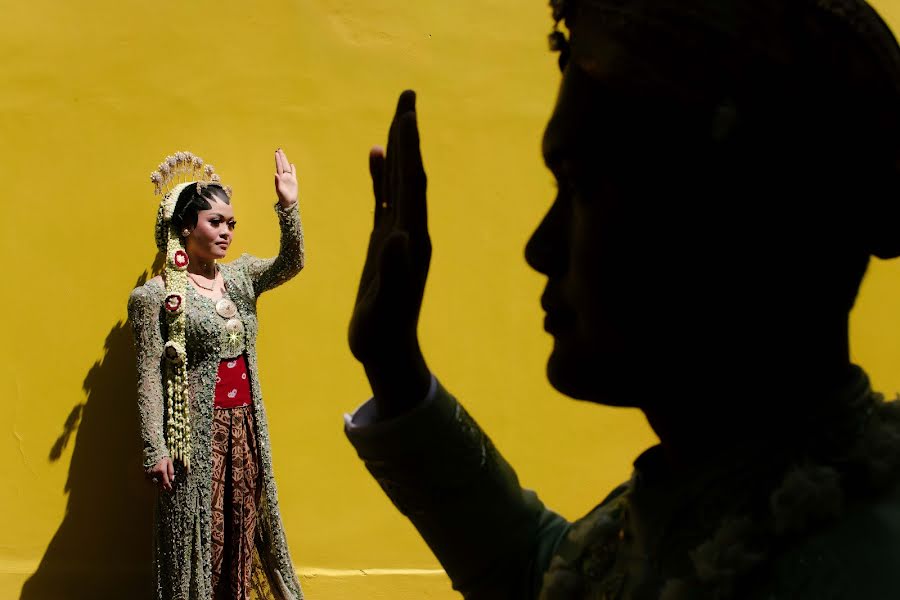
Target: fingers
x,y
406,103
159,478
403,172
411,202
163,475
389,176
376,170
279,163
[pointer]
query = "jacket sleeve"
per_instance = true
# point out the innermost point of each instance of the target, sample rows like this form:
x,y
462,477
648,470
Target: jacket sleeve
x,y
493,538
144,314
267,273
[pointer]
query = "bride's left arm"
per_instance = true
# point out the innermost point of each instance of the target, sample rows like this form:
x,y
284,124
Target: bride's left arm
x,y
267,273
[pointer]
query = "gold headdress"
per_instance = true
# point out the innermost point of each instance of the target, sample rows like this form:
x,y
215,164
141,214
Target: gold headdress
x,y
173,175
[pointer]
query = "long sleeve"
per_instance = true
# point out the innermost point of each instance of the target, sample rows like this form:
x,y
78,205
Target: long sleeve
x,y
493,538
267,273
143,312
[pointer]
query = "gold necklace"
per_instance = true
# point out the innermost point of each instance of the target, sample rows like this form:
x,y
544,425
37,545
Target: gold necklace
x,y
200,285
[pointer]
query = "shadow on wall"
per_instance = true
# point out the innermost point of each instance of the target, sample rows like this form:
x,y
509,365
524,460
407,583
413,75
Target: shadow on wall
x,y
103,547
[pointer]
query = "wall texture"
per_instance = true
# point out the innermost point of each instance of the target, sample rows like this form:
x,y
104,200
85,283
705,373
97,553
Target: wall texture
x,y
95,93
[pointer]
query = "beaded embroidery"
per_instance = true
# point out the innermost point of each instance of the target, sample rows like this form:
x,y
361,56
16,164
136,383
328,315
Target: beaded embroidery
x,y
183,522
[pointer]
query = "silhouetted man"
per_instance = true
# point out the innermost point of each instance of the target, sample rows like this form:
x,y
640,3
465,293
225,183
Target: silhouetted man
x,y
726,168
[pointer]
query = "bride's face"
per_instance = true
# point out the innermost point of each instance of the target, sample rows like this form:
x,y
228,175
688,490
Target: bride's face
x,y
212,236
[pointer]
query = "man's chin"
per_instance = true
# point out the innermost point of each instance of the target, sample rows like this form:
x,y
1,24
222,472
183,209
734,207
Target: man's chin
x,y
590,379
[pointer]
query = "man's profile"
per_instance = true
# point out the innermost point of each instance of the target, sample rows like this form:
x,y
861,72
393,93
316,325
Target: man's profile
x,y
725,169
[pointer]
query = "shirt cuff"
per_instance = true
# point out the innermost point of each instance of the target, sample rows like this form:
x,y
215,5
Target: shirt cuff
x,y
364,417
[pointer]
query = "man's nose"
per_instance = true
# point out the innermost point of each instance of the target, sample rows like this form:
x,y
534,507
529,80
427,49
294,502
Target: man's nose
x,y
545,252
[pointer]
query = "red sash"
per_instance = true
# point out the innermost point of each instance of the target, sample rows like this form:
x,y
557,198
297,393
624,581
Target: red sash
x,y
233,384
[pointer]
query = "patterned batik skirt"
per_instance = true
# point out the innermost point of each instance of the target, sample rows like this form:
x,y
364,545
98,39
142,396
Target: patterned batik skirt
x,y
235,483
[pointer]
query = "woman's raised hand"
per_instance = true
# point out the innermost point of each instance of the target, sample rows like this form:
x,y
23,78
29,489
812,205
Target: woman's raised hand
x,y
383,330
286,185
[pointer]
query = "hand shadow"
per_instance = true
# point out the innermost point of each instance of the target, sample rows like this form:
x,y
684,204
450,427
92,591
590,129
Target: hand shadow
x,y
104,545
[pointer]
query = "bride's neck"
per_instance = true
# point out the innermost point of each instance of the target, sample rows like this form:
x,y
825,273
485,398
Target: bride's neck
x,y
202,268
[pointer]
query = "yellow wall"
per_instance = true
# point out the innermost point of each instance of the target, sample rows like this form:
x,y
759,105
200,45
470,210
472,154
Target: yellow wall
x,y
95,93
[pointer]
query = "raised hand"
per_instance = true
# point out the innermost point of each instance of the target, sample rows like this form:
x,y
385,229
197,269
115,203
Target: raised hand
x,y
286,185
383,330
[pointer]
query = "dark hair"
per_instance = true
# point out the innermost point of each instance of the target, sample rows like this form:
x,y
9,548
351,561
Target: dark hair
x,y
192,200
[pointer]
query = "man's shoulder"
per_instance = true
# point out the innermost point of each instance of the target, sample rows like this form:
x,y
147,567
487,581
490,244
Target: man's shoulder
x,y
857,557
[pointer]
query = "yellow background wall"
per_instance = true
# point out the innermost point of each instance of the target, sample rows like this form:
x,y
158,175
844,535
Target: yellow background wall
x,y
95,93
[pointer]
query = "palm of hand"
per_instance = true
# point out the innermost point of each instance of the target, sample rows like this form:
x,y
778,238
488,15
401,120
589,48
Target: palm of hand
x,y
383,329
286,185
392,284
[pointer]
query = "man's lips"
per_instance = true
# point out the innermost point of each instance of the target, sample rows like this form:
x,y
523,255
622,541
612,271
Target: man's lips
x,y
558,322
557,318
